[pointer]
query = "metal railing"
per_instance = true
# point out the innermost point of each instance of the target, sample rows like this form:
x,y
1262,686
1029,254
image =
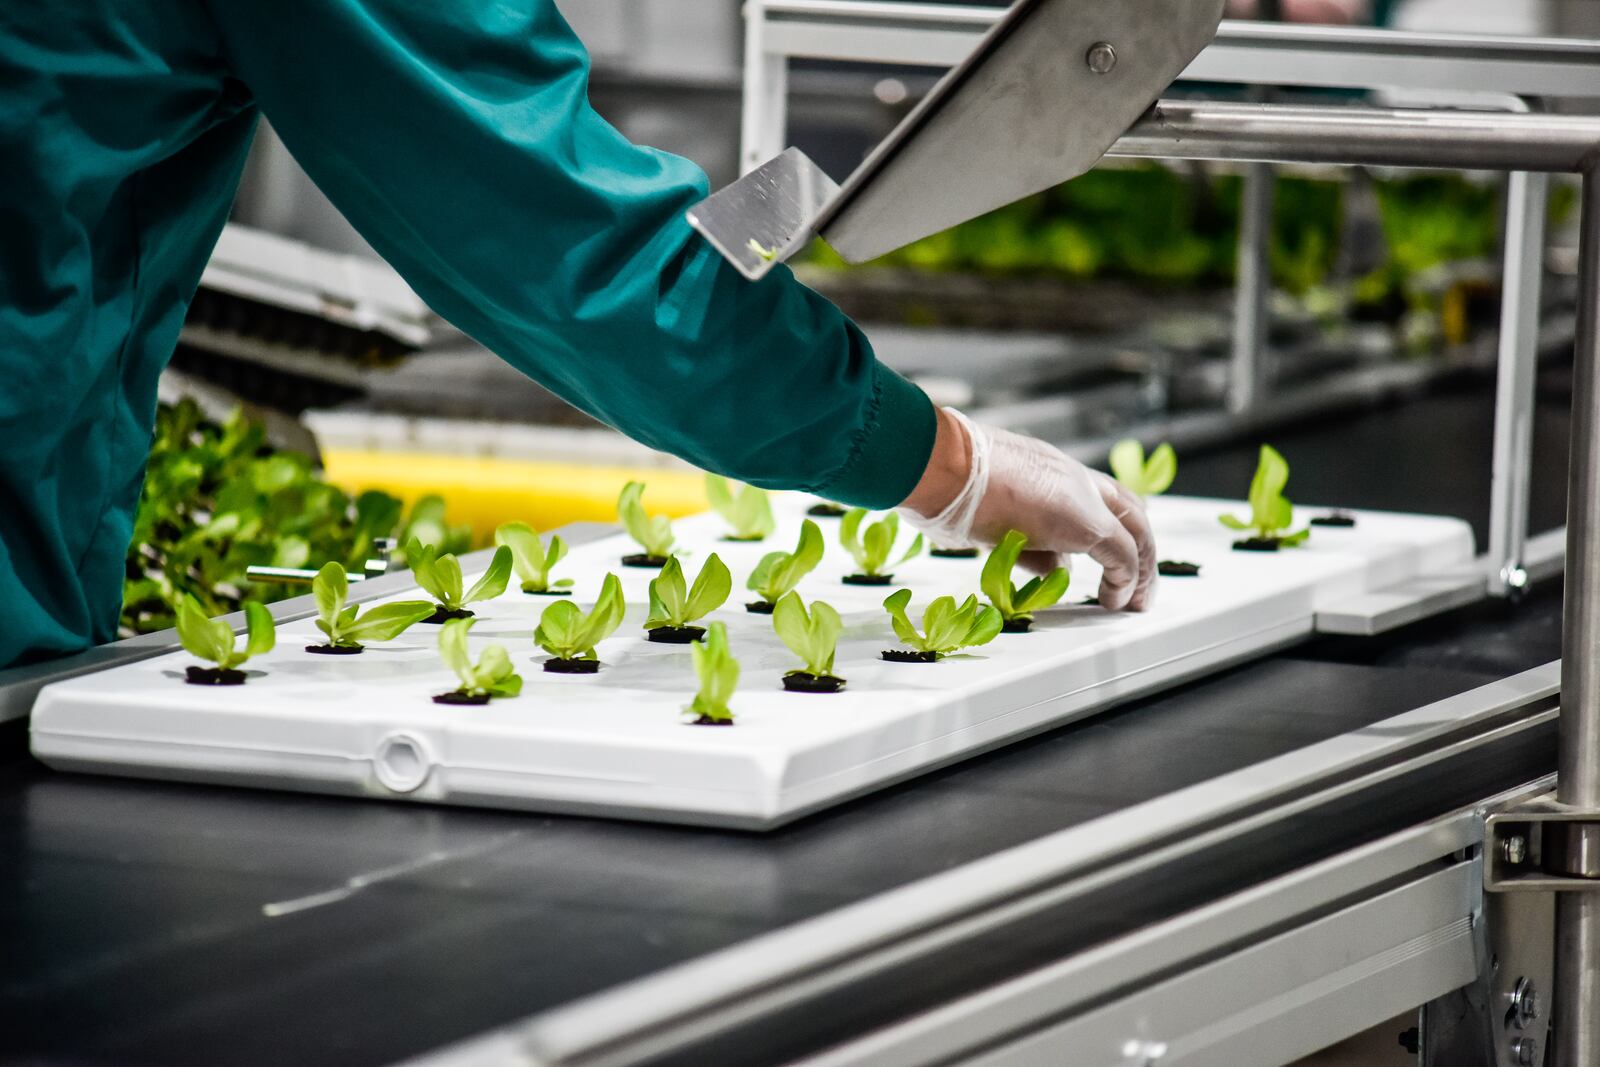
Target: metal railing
x,y
1502,73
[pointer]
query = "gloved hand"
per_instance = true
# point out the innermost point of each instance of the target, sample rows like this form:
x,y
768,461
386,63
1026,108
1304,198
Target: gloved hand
x,y
1021,483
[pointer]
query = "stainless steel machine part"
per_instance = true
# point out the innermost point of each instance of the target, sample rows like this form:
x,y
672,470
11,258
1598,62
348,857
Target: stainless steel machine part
x,y
1511,142
1103,63
1577,1007
1100,63
1247,376
1450,69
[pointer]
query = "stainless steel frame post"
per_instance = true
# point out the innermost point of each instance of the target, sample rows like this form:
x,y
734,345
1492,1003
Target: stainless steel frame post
x,y
1252,291
1577,1007
1521,288
764,118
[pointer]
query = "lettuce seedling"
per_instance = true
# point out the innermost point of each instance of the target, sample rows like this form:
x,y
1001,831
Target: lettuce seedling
x,y
748,511
569,635
652,532
779,572
1150,477
440,577
1016,606
1271,514
871,550
532,559
814,637
212,640
672,608
346,630
491,676
946,628
718,672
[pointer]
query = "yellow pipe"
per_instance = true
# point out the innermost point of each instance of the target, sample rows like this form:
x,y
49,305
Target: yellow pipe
x,y
489,491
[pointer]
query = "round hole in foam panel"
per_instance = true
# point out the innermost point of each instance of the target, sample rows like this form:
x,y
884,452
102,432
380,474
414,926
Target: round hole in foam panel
x,y
402,762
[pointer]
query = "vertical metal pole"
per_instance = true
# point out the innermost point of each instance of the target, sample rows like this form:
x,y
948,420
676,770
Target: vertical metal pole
x,y
1252,290
1521,287
766,93
1577,1008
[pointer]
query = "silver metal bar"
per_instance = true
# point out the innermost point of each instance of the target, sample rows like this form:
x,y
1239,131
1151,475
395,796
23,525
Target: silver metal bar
x,y
718,990
1252,294
1244,52
1577,1008
764,119
1359,136
988,1017
1512,470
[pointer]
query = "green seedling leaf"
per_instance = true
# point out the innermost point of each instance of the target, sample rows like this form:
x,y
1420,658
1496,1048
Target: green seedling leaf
x,y
213,640
384,622
532,559
668,596
672,605
494,580
653,533
1271,513
340,624
1036,595
1147,478
718,673
453,648
872,550
895,604
779,572
946,627
330,588
813,635
198,636
565,632
493,674
747,511
711,588
261,635
440,576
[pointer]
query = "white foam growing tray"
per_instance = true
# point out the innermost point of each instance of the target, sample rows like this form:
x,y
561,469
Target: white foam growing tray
x,y
616,742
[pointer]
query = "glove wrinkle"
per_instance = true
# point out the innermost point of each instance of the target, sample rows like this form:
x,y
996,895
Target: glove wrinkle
x,y
1021,483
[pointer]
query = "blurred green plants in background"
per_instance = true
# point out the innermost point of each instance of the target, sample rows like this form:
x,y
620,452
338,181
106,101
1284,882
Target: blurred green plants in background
x,y
1166,226
217,500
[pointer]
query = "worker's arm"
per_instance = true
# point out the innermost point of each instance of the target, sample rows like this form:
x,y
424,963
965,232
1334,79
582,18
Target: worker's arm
x,y
459,140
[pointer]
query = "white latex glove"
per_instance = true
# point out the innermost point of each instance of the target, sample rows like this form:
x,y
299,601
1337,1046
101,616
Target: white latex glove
x,y
1023,484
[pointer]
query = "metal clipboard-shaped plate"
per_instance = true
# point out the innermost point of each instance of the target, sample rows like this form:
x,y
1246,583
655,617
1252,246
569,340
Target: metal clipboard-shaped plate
x,y
1044,95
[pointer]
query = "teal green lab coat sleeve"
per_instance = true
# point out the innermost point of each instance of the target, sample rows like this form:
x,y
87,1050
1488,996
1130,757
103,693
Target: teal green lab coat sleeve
x,y
121,140
459,140
457,136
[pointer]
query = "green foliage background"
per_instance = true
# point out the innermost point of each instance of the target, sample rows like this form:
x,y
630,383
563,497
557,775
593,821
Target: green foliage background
x,y
217,500
1162,225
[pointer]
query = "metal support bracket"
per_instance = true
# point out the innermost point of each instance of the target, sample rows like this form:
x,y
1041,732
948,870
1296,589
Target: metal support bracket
x,y
1541,847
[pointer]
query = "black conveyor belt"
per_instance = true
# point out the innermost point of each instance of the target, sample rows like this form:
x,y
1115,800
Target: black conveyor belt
x,y
142,922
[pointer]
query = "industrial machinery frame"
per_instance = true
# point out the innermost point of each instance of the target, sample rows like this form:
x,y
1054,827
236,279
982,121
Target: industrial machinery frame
x,y
1517,74
1266,133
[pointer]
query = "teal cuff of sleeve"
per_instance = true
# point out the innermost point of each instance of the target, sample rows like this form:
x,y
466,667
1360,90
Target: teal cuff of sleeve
x,y
890,453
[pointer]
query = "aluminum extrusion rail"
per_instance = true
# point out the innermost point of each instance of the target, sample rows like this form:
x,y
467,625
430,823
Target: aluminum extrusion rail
x,y
1099,909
